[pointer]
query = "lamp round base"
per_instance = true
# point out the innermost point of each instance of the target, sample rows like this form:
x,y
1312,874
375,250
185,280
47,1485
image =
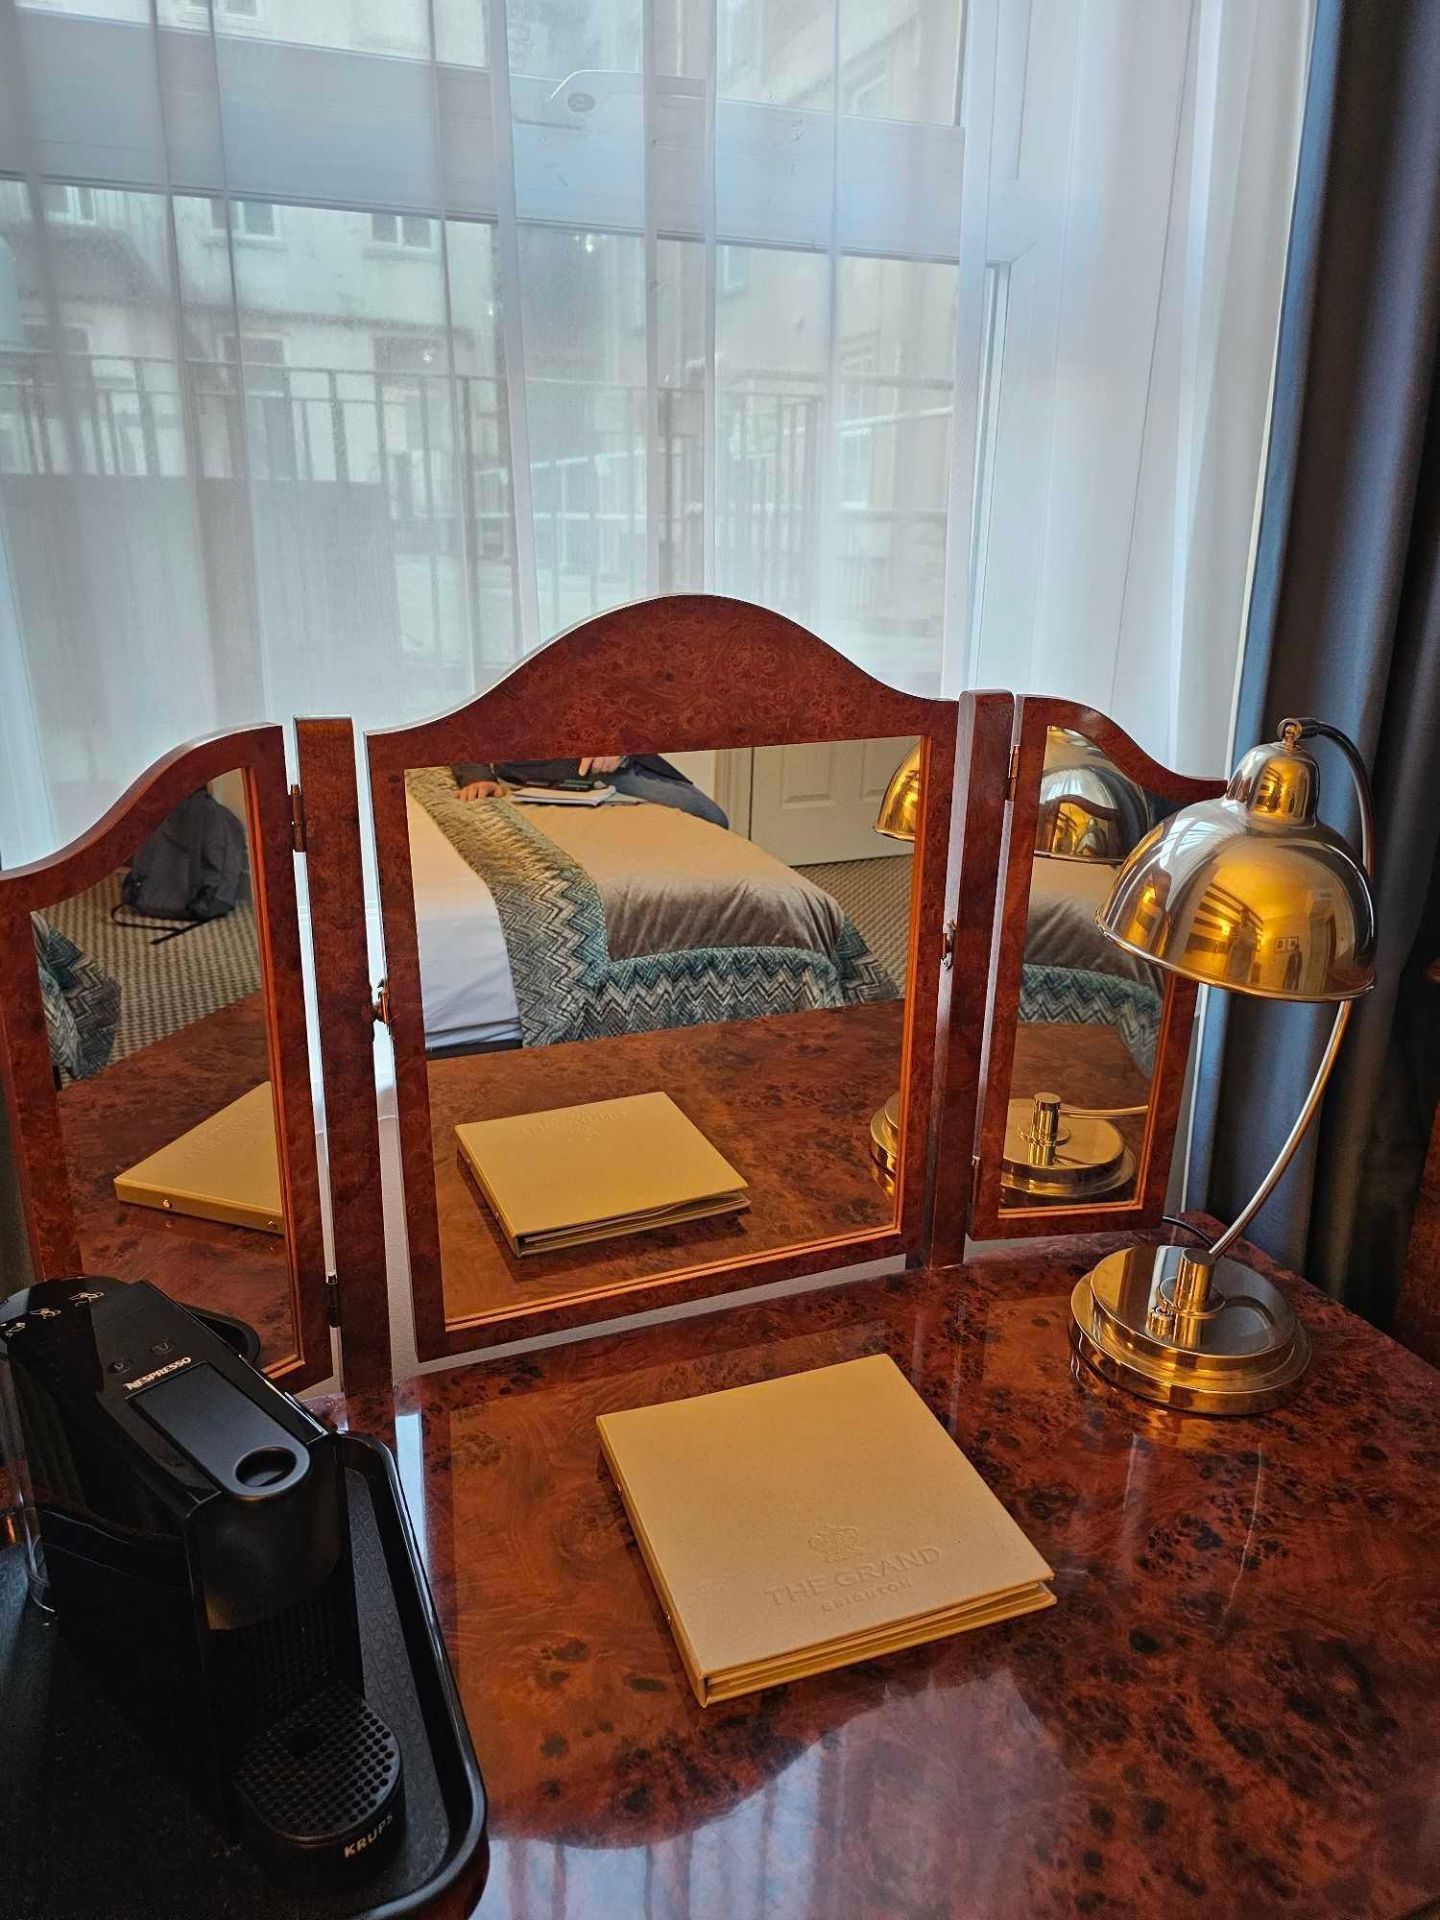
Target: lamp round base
x,y
1242,1350
885,1136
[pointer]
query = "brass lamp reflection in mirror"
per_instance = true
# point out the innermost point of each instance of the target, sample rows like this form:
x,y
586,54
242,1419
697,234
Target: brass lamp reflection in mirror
x,y
1057,1152
898,819
1255,894
1089,809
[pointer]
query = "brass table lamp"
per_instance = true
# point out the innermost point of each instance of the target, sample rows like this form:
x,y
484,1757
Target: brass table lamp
x,y
1054,1151
898,819
1087,808
1255,894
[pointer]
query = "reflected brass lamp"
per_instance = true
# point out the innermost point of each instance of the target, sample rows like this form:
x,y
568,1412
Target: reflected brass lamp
x,y
1255,894
1088,809
898,819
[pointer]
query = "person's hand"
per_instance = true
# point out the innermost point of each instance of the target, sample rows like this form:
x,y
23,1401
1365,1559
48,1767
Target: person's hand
x,y
482,790
601,763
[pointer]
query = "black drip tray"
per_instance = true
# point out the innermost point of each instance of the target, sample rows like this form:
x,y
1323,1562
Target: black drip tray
x,y
96,1829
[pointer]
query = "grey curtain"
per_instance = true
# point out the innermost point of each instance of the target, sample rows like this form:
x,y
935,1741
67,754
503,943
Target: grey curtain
x,y
1345,624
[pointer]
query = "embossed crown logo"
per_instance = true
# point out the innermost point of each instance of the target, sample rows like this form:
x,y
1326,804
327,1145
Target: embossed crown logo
x,y
836,1543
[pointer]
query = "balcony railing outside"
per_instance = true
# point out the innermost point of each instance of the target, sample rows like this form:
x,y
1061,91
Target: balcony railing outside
x,y
125,418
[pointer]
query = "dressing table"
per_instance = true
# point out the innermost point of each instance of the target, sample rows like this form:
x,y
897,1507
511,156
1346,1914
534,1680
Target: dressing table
x,y
1231,1711
1233,1708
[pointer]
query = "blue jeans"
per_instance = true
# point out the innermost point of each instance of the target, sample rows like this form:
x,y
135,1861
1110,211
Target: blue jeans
x,y
668,793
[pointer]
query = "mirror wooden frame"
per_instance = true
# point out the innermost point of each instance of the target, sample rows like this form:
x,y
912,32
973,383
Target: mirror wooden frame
x,y
684,672
47,1199
988,1218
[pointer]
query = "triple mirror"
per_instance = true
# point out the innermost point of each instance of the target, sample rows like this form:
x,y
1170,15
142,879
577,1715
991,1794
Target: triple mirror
x,y
156,1050
661,1001
1088,1043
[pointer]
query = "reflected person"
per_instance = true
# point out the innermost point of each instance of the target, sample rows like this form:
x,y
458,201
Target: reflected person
x,y
643,776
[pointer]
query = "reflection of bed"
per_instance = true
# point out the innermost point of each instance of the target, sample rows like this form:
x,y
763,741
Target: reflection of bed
x,y
1072,974
612,920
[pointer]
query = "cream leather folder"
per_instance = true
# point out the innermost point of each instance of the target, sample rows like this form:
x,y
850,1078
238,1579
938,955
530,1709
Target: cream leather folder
x,y
804,1523
576,1174
225,1169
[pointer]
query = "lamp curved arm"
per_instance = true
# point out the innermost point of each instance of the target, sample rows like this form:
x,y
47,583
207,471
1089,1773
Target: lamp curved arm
x,y
1296,730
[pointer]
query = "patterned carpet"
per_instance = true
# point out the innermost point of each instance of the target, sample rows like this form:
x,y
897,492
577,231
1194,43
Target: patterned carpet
x,y
170,986
876,895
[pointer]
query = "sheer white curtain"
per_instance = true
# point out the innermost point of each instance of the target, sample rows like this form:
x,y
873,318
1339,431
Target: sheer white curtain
x,y
351,348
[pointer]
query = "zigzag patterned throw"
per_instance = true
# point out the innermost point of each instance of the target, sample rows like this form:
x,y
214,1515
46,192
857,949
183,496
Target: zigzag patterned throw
x,y
567,986
1079,995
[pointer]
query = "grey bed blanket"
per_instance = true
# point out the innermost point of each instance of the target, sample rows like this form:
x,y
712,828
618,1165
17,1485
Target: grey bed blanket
x,y
637,918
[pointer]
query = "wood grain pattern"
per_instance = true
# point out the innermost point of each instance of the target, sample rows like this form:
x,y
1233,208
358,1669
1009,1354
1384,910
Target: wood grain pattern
x,y
684,672
1230,1712
1417,1311
141,1104
259,754
344,1000
982,764
991,1217
787,1100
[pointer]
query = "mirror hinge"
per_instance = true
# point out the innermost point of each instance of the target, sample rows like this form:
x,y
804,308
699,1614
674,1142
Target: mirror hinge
x,y
1012,779
332,1299
947,950
380,1010
297,819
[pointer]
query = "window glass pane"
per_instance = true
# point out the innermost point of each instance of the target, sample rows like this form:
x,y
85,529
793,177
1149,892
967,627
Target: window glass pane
x,y
583,304
680,355
485,437
460,32
107,577
360,26
770,395
895,374
780,54
335,401
900,59
136,11
591,43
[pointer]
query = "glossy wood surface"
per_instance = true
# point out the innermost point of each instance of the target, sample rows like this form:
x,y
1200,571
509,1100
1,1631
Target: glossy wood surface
x,y
1091,1064
1033,717
345,1016
982,762
138,1106
1232,1711
787,1100
259,754
1417,1311
680,673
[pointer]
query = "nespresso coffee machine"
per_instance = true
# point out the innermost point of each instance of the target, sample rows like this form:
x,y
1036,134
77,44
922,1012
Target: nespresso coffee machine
x,y
193,1530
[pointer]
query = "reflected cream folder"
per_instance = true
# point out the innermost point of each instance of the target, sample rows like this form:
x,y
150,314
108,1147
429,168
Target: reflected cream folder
x,y
800,1524
224,1169
570,1175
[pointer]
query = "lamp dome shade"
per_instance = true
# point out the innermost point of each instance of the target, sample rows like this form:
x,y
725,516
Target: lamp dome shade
x,y
899,815
1089,809
1251,892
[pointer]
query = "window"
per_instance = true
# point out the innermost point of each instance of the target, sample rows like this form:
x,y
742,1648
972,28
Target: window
x,y
857,462
402,230
253,219
68,203
737,28
262,356
732,271
72,339
867,90
410,353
